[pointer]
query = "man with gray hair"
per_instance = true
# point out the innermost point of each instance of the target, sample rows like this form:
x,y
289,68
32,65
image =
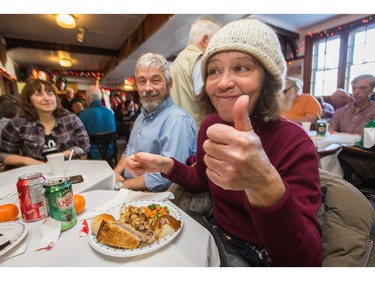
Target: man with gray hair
x,y
69,100
352,118
97,119
161,128
186,69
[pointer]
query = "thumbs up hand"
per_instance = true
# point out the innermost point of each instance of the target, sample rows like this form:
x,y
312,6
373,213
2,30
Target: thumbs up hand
x,y
236,160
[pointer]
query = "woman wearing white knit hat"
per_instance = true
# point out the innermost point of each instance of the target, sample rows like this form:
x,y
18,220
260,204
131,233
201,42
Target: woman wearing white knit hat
x,y
261,169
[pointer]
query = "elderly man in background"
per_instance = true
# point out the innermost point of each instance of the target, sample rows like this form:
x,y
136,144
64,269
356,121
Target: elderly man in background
x,y
161,128
97,119
186,69
69,100
340,98
299,107
351,118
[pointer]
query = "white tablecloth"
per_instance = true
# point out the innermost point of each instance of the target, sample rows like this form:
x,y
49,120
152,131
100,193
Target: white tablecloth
x,y
194,245
332,141
96,174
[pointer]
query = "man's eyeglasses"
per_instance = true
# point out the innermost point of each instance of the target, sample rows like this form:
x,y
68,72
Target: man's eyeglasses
x,y
286,90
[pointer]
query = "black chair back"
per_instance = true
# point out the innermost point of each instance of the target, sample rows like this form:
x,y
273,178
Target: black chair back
x,y
102,142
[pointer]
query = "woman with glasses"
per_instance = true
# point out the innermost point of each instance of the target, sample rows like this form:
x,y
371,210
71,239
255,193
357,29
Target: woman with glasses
x,y
299,107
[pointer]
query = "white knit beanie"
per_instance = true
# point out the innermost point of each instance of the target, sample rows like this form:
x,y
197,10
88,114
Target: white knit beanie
x,y
253,37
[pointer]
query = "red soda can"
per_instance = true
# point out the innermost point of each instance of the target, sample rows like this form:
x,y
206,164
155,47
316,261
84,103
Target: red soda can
x,y
31,197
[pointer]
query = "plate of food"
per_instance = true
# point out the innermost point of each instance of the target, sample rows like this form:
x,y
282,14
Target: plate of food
x,y
11,233
135,228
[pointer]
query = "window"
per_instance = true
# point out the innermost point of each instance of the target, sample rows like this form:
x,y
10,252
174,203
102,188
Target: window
x,y
325,66
361,53
334,57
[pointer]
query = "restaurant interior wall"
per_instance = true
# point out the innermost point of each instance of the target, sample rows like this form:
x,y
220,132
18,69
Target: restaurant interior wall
x,y
296,67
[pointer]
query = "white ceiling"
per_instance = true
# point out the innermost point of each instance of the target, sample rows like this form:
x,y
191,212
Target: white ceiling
x,y
108,32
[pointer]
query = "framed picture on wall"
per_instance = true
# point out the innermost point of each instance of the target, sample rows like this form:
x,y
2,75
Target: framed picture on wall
x,y
295,68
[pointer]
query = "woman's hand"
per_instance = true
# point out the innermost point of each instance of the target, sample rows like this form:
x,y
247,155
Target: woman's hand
x,y
236,160
32,161
142,162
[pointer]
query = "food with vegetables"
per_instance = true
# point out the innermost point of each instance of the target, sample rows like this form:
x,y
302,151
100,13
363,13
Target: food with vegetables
x,y
138,226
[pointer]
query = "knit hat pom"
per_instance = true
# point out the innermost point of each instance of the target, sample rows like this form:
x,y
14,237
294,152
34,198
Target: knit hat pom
x,y
253,37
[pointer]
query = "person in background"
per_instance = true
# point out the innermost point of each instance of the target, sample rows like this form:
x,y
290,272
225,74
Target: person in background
x,y
44,127
121,129
261,169
97,119
10,107
299,107
327,108
340,98
131,108
77,107
352,118
162,127
69,100
186,67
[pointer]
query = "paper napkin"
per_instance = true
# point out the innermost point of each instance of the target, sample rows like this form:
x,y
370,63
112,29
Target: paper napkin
x,y
19,249
51,229
126,195
84,231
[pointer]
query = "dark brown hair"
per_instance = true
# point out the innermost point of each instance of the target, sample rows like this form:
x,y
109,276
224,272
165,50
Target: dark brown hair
x,y
32,86
10,106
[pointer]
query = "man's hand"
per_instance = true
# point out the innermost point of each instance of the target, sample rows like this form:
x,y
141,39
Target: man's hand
x,y
142,162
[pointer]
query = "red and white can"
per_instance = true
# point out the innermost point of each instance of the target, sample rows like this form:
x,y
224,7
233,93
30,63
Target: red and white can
x,y
31,197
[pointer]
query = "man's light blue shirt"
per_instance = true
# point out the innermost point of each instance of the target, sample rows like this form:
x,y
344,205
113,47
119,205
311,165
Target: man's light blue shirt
x,y
168,131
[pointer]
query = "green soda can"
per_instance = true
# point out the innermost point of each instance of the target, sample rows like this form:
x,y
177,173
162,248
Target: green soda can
x,y
60,201
321,128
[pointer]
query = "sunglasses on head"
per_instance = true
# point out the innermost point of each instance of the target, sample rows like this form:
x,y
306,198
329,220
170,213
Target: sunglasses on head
x,y
286,90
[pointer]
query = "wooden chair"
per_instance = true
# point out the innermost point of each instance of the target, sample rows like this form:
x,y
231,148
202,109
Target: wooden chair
x,y
102,142
327,152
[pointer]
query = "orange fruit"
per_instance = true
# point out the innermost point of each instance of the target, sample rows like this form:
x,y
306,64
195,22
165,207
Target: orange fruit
x,y
8,212
79,203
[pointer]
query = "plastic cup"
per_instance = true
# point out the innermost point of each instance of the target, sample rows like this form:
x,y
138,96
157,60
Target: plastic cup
x,y
306,126
56,163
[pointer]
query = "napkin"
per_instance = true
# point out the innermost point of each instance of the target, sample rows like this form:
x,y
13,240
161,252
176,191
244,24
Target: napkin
x,y
126,195
84,229
19,249
51,229
368,137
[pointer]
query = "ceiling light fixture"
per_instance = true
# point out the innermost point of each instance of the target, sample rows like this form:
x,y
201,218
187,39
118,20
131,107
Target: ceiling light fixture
x,y
66,21
65,62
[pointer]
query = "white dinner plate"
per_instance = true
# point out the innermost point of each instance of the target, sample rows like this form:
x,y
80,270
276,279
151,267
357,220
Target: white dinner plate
x,y
14,232
116,252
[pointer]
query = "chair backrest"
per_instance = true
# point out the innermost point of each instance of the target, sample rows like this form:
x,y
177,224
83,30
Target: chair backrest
x,y
106,145
346,217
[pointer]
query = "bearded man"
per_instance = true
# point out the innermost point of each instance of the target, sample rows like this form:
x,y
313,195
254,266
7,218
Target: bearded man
x,y
161,128
299,107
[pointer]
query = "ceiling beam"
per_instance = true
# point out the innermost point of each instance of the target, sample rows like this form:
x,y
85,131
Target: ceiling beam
x,y
12,43
147,28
